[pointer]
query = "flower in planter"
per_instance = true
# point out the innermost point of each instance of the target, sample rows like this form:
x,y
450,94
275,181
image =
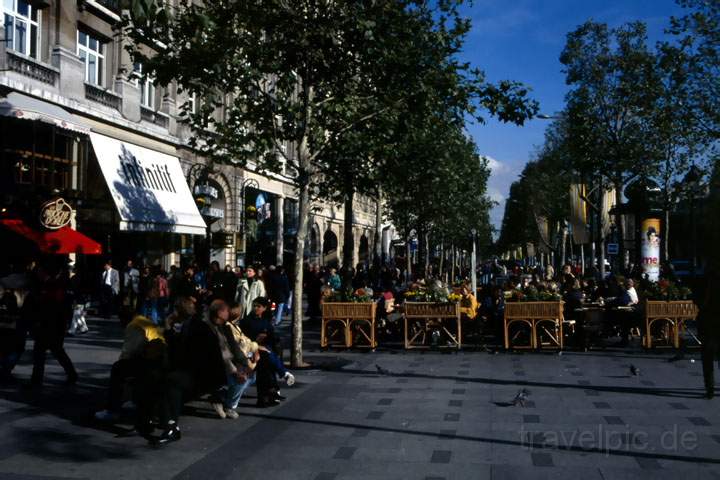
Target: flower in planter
x,y
454,297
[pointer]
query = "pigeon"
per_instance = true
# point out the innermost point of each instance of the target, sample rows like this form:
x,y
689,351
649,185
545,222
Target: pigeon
x,y
381,370
520,398
634,370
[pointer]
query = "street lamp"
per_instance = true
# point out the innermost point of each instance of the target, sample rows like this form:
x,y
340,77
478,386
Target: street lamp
x,y
473,262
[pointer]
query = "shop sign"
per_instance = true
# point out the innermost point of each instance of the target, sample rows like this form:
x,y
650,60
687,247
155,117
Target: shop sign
x,y
55,214
651,248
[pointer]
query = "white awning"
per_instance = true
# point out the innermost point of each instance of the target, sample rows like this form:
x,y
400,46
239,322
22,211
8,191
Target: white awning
x,y
21,106
148,187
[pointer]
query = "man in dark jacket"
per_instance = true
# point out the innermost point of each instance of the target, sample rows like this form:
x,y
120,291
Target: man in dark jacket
x,y
47,308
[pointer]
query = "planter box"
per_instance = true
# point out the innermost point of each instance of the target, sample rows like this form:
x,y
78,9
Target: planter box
x,y
428,313
344,319
538,316
673,313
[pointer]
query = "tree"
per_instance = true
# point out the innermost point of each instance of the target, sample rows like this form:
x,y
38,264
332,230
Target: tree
x,y
698,37
284,75
293,80
610,72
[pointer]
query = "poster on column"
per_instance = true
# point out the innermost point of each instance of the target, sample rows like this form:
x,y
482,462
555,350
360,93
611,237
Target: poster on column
x,y
651,248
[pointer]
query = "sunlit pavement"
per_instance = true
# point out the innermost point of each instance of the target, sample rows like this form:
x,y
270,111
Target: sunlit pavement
x,y
426,415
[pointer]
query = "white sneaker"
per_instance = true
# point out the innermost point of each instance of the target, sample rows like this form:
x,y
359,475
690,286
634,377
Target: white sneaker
x,y
219,409
106,416
289,379
231,414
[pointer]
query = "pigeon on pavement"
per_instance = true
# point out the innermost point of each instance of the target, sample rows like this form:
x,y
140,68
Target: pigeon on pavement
x,y
634,370
381,370
521,397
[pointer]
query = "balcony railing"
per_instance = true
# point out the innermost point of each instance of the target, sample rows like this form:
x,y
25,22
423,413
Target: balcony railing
x,y
32,68
158,118
102,96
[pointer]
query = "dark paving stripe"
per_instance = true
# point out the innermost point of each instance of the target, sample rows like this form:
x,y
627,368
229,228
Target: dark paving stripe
x,y
460,382
452,417
394,390
435,478
716,438
441,456
445,433
592,393
375,415
531,418
20,476
455,403
325,476
344,453
402,380
699,421
458,391
463,372
648,463
583,382
647,383
385,401
601,404
519,374
612,420
678,406
360,432
540,459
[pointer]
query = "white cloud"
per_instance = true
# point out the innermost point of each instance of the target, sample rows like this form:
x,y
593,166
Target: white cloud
x,y
495,166
502,174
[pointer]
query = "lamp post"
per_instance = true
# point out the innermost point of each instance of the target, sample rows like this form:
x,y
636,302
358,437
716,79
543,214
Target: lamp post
x,y
473,263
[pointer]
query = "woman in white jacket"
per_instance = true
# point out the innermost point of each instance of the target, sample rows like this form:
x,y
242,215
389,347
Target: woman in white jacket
x,y
248,289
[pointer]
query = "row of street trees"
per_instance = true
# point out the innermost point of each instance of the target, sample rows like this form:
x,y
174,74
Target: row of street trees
x,y
353,97
633,112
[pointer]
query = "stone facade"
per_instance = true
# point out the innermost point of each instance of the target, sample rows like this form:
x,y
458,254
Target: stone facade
x,y
113,106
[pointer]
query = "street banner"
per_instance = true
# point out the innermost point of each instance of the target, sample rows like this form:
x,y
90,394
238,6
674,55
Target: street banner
x,y
578,214
651,248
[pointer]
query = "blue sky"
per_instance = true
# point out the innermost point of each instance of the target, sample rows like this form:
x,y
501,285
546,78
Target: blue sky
x,y
522,40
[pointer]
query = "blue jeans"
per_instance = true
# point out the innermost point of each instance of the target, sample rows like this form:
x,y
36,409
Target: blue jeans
x,y
280,369
279,310
235,390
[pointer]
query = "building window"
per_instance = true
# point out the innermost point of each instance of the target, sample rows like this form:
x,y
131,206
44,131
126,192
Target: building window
x,y
147,87
22,31
92,51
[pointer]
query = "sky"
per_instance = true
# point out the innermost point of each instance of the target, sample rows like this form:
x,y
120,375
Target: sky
x,y
521,40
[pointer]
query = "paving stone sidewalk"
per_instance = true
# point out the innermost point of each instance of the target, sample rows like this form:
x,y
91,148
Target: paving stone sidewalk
x,y
427,416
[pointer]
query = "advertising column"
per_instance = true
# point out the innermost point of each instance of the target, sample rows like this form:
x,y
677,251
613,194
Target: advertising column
x,y
651,248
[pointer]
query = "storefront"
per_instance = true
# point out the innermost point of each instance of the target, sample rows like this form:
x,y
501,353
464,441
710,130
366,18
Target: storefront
x,y
43,153
139,202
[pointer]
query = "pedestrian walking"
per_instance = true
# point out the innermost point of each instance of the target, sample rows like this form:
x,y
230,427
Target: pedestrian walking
x,y
109,289
248,289
49,316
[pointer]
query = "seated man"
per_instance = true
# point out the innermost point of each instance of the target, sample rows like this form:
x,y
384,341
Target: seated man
x,y
141,348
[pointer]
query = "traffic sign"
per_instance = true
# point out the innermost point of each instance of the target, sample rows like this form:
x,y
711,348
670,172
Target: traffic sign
x,y
613,249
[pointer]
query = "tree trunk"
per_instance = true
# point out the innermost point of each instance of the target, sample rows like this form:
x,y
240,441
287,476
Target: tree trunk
x,y
296,357
408,258
442,259
666,235
377,261
348,239
427,255
454,262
